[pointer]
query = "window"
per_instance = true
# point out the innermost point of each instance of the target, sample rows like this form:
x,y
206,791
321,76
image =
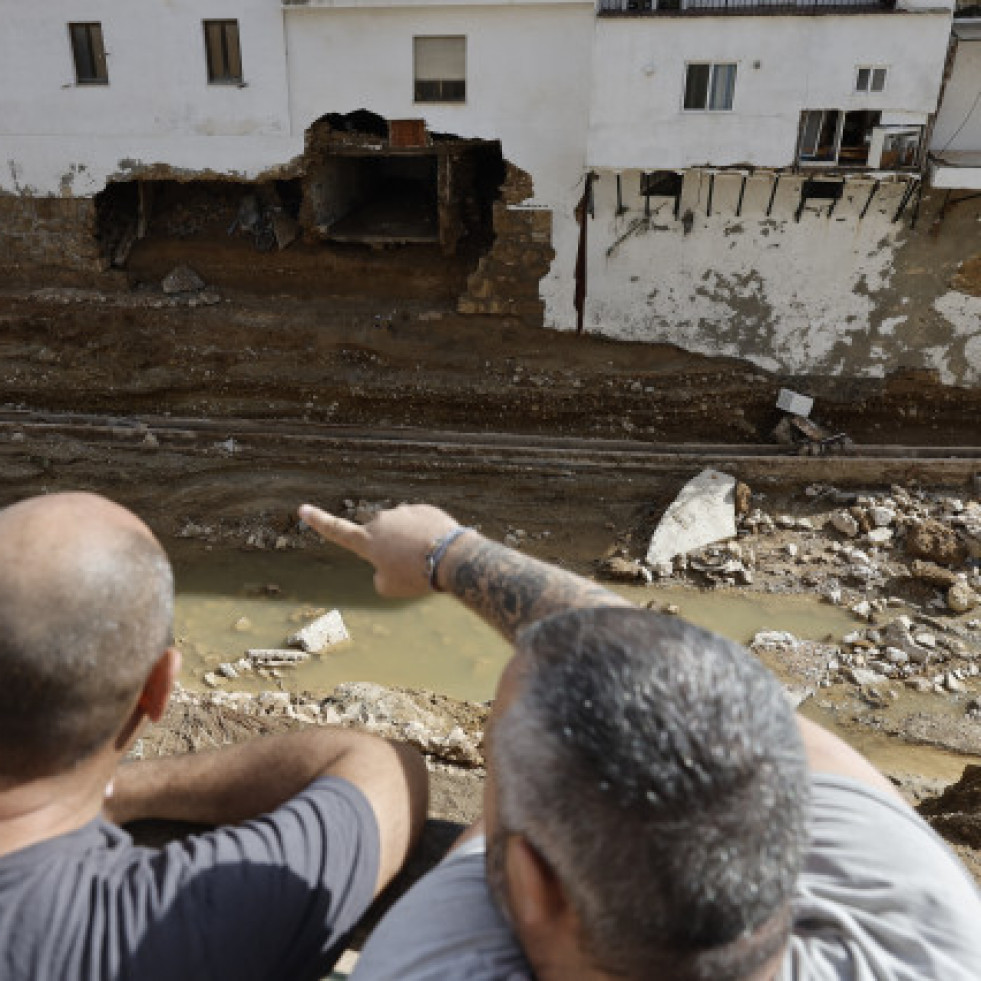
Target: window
x,y
89,53
709,86
223,51
440,69
839,138
660,183
868,78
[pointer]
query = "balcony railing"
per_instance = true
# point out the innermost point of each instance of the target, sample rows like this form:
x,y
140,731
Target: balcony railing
x,y
634,7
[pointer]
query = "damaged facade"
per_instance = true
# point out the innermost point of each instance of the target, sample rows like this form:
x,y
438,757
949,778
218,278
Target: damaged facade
x,y
743,180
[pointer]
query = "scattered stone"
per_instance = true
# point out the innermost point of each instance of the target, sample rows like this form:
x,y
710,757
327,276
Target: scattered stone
x,y
275,657
919,684
961,598
881,517
862,609
182,279
895,656
211,679
791,549
227,670
282,542
617,569
935,542
933,574
845,523
742,497
242,625
285,228
925,639
864,677
953,683
326,631
702,513
880,536
774,638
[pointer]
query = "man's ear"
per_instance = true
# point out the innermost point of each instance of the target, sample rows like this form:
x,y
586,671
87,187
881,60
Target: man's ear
x,y
159,684
536,898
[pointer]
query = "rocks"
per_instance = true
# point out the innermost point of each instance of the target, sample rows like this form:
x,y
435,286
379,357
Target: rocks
x,y
880,536
933,574
774,639
702,513
242,625
742,497
617,569
881,517
961,598
182,279
845,523
935,542
326,631
863,677
275,657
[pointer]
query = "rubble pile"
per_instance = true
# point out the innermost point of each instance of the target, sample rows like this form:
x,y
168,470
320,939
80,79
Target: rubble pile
x,y
444,729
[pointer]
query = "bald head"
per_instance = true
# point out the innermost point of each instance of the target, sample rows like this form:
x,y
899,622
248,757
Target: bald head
x,y
86,605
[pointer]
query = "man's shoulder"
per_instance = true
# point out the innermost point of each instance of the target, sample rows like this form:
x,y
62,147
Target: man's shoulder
x,y
282,888
446,927
879,888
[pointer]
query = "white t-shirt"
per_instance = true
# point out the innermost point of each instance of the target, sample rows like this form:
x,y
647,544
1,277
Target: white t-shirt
x,y
880,897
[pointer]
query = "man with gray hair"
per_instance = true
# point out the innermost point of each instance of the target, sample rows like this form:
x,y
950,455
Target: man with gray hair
x,y
653,807
311,824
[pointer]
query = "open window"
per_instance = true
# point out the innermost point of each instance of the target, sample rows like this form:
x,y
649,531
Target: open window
x,y
440,69
223,52
841,139
89,53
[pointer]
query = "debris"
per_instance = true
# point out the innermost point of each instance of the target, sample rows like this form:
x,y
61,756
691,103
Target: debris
x,y
285,228
795,404
326,631
617,569
227,670
242,625
961,598
933,574
182,279
702,513
935,542
845,523
275,657
742,498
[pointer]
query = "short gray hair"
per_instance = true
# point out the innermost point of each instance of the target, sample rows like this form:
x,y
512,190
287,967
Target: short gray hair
x,y
77,647
658,769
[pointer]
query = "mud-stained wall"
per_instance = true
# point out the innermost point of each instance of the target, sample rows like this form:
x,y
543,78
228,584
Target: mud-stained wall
x,y
844,294
48,236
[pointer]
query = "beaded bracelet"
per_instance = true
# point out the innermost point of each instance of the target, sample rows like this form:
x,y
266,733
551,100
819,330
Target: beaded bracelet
x,y
436,552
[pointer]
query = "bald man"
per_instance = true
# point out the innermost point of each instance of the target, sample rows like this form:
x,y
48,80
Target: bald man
x,y
310,826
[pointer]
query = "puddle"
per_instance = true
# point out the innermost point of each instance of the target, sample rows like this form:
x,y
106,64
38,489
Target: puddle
x,y
430,643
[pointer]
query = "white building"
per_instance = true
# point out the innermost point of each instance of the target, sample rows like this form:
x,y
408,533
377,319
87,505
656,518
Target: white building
x,y
683,129
956,144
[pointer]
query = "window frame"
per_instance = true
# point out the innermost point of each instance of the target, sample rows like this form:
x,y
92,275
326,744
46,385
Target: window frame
x,y
713,66
96,52
872,71
225,24
441,96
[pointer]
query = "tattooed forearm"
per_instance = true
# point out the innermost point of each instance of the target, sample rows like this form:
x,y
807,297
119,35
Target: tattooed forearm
x,y
510,590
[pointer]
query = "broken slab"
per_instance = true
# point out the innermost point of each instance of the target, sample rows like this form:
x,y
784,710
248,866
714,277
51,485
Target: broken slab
x,y
326,631
704,512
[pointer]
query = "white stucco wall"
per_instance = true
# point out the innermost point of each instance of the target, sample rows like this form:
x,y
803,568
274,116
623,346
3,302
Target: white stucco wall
x,y
811,297
528,80
958,126
805,62
60,137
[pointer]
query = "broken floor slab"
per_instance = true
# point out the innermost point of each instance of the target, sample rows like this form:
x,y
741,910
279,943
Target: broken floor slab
x,y
703,512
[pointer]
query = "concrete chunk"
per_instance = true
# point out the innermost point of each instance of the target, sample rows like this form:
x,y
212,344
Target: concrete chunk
x,y
275,657
703,512
326,631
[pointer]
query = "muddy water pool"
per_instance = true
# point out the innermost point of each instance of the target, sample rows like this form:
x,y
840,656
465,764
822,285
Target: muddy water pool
x,y
229,601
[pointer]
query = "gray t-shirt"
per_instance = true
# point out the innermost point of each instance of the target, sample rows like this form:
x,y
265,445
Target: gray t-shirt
x,y
881,897
272,898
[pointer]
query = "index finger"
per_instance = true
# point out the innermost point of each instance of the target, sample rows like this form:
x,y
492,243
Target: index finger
x,y
337,530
